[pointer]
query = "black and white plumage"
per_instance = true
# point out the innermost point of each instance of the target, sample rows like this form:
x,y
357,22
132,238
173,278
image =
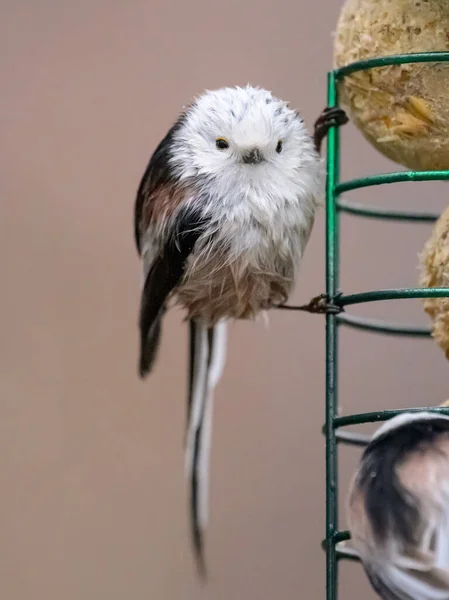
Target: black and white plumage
x,y
398,508
222,217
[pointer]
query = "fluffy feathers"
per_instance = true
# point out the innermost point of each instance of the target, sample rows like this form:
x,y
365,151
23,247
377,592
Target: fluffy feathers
x,y
222,218
398,508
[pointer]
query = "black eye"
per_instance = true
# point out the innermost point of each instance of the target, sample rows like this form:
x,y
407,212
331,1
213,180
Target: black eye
x,y
221,144
279,147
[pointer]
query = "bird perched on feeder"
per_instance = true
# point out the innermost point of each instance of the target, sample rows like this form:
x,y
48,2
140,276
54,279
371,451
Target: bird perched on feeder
x,y
398,508
222,217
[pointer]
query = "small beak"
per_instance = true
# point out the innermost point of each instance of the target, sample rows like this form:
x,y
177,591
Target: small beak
x,y
253,157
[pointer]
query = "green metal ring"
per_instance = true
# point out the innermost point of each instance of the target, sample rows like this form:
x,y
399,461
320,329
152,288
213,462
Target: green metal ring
x,y
354,208
384,415
378,326
392,294
387,61
386,178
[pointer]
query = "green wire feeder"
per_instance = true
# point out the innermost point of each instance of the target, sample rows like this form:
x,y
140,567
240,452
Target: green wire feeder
x,y
335,205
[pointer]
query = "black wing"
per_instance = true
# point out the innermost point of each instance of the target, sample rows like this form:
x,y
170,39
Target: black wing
x,y
164,275
167,269
156,174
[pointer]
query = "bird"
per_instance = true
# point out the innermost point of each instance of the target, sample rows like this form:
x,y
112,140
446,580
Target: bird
x,y
398,508
223,213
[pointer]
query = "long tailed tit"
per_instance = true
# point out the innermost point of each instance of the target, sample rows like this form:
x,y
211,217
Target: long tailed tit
x,y
222,217
398,508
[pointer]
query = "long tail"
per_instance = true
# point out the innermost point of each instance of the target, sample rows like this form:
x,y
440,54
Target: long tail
x,y
207,358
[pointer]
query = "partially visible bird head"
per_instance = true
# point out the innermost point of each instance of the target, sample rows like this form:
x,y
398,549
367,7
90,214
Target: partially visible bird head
x,y
241,131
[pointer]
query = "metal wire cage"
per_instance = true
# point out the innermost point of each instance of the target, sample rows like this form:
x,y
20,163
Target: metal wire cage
x,y
334,206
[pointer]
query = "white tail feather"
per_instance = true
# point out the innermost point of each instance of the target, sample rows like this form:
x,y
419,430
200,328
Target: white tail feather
x,y
204,461
218,359
218,355
204,383
198,394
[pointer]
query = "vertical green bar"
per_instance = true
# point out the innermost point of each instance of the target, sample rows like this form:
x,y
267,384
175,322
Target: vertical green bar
x,y
332,284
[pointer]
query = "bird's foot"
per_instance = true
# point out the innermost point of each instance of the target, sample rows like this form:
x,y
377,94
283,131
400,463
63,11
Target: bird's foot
x,y
331,116
322,304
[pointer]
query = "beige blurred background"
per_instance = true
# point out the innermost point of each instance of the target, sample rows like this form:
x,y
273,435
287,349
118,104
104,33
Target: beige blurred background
x,y
91,466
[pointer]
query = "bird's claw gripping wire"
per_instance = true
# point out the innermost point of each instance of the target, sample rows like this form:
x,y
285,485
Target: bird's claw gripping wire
x,y
331,116
321,304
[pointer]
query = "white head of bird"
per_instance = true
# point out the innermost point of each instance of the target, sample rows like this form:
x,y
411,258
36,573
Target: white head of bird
x,y
247,136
